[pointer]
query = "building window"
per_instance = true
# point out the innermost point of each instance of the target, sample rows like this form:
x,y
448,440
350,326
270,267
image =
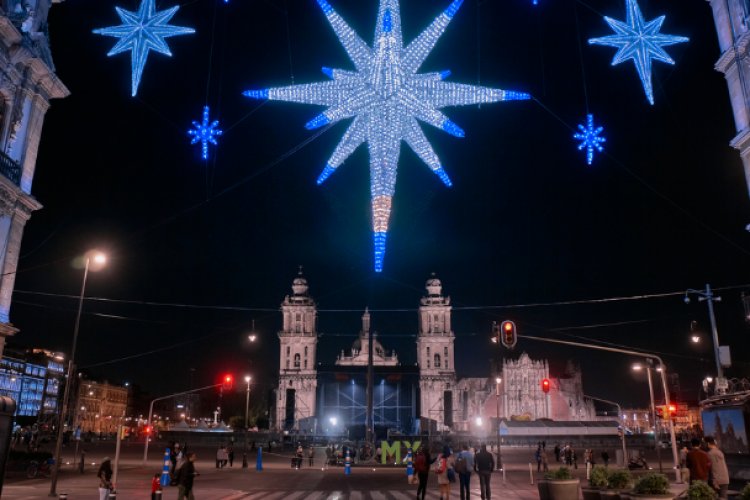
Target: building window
x,y
305,351
287,363
305,363
437,360
296,360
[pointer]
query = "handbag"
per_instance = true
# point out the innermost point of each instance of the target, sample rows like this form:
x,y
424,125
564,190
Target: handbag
x,y
451,475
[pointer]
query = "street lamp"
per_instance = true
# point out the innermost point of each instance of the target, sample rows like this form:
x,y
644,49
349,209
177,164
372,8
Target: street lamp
x,y
657,444
248,378
498,381
710,298
94,261
252,336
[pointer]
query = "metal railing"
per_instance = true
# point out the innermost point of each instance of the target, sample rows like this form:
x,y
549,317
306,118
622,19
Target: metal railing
x,y
10,168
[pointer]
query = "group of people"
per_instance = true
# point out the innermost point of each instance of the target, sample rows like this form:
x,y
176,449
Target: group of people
x,y
448,465
224,456
704,461
566,455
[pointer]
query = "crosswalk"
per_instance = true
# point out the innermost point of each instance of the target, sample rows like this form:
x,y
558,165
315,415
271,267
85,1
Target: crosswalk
x,y
504,494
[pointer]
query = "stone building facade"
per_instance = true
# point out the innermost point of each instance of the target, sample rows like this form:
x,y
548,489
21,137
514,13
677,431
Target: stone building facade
x,y
99,407
27,84
731,18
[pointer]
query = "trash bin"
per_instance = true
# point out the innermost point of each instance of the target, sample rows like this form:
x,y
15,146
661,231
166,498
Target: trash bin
x,y
7,409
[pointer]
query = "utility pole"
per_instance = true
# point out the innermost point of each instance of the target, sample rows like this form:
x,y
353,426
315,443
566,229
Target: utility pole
x,y
710,298
369,426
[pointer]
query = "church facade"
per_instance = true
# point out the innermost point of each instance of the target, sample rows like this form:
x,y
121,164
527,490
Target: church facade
x,y
410,399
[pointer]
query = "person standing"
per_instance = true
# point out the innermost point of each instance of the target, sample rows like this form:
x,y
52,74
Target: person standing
x,y
422,462
311,455
484,464
105,478
464,466
230,455
155,485
545,464
185,476
557,452
719,471
697,462
538,458
605,458
445,462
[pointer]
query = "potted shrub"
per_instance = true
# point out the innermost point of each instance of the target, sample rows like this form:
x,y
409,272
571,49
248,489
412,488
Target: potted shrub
x,y
617,482
598,480
651,486
561,485
745,493
700,490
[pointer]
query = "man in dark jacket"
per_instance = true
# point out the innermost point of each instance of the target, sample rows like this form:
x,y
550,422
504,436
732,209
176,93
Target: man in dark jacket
x,y
185,476
484,464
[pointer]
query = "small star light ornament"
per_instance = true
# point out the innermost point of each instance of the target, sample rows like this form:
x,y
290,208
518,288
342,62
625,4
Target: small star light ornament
x,y
590,138
141,32
386,99
640,41
205,132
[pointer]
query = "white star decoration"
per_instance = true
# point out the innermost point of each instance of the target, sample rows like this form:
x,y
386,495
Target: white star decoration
x,y
386,98
640,41
141,32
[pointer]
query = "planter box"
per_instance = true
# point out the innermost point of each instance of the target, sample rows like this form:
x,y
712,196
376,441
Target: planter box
x,y
543,490
564,489
592,494
636,496
614,495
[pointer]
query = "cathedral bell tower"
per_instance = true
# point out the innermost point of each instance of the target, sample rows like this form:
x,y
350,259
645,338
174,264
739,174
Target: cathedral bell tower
x,y
437,374
298,337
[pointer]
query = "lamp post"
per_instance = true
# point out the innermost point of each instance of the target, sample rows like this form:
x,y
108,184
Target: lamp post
x,y
248,378
657,444
710,298
94,261
498,381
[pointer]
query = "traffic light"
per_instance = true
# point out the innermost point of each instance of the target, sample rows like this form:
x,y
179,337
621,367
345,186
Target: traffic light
x,y
508,336
227,382
545,385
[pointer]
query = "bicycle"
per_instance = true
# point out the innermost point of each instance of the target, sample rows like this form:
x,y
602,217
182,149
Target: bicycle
x,y
36,469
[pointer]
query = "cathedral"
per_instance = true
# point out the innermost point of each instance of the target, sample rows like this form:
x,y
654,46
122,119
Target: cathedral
x,y
408,399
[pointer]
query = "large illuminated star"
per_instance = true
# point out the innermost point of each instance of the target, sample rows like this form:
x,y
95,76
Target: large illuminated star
x,y
640,41
386,98
141,32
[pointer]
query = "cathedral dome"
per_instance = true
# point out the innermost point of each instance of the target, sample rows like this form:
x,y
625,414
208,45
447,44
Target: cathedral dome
x,y
299,285
434,286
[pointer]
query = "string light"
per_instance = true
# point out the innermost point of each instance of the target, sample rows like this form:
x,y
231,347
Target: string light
x,y
590,138
141,32
386,98
205,132
640,41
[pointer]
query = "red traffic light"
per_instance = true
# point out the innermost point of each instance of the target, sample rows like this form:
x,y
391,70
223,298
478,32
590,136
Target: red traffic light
x,y
545,385
508,336
227,382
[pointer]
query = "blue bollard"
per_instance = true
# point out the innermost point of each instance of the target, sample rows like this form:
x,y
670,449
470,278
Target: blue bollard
x,y
409,465
165,479
348,463
259,460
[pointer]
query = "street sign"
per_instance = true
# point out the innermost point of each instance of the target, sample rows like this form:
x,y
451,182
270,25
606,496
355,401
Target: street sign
x,y
725,357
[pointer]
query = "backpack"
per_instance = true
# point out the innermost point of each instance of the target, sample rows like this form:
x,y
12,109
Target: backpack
x,y
441,464
461,464
420,463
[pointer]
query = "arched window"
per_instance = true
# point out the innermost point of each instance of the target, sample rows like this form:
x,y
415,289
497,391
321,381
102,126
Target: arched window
x,y
296,360
437,360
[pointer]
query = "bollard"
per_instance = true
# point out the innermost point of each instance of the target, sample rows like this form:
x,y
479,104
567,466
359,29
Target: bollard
x,y
531,473
83,461
62,496
112,495
348,463
244,460
259,460
588,470
165,479
503,469
157,495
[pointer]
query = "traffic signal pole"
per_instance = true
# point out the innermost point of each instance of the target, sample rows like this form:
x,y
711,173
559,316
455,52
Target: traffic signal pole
x,y
151,413
647,355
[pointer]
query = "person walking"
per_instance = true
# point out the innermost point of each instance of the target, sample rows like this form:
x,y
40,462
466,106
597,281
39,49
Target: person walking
x,y
538,458
545,464
697,462
105,478
719,471
422,462
605,458
311,455
230,455
484,464
557,452
464,467
444,468
185,476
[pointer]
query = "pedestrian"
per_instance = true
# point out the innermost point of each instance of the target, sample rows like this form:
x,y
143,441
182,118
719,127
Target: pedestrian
x,y
311,455
464,467
155,485
444,466
299,455
719,471
105,478
185,476
697,462
557,452
538,458
422,462
605,458
574,457
230,455
545,464
218,457
484,464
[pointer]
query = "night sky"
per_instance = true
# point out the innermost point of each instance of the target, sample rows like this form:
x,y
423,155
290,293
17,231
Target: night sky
x,y
527,221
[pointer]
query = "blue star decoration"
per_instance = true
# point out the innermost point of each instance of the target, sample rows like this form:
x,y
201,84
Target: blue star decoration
x,y
590,138
141,32
640,41
205,132
386,98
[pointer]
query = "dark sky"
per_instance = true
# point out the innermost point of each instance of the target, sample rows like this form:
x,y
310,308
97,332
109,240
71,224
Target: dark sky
x,y
526,222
